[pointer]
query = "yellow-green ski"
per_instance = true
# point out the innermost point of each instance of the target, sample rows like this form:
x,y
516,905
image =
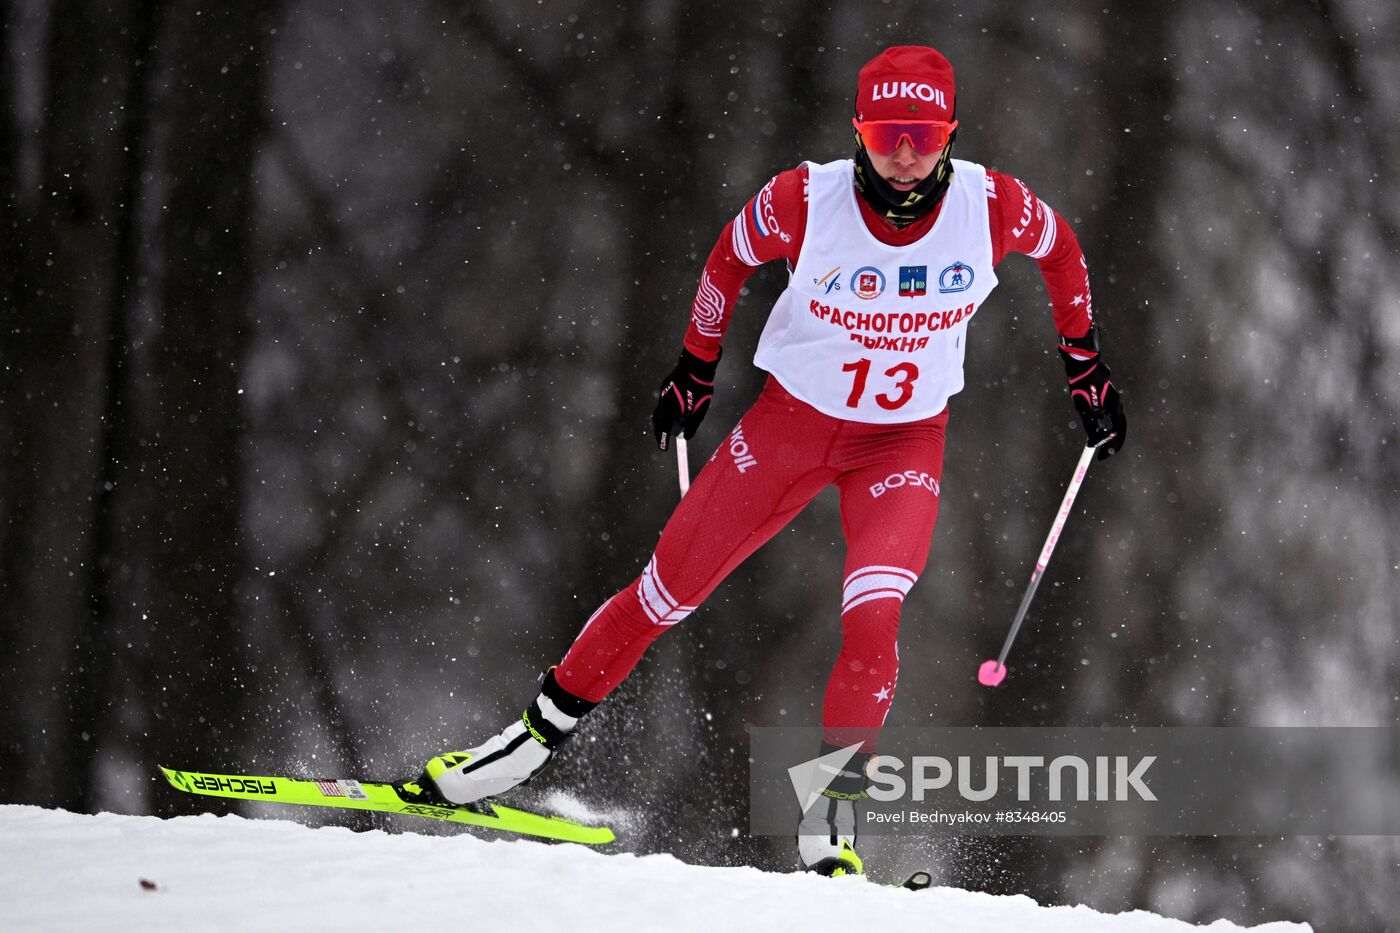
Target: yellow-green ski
x,y
407,799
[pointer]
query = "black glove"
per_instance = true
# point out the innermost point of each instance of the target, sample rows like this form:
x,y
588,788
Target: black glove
x,y
1096,399
684,398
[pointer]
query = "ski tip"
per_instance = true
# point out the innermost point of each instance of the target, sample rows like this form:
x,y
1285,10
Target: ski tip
x,y
582,833
586,835
552,826
175,778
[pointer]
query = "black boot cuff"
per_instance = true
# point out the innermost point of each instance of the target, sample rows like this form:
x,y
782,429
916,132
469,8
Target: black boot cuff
x,y
567,703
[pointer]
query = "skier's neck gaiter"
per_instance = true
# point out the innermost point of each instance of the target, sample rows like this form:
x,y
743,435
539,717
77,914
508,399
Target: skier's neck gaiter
x,y
902,208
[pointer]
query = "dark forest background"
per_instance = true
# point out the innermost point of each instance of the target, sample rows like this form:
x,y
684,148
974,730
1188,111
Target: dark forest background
x,y
331,333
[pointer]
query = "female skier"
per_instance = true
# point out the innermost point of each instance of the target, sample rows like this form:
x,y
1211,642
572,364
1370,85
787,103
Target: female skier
x,y
890,254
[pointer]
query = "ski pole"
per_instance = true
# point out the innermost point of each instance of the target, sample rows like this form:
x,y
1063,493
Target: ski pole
x,y
991,673
683,464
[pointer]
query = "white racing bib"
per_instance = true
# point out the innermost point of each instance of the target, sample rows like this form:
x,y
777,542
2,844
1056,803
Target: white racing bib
x,y
876,333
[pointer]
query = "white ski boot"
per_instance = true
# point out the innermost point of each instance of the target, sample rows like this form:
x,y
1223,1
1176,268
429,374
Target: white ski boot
x,y
515,755
826,834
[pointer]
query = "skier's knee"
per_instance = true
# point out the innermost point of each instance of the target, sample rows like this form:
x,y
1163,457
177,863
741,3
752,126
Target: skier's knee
x,y
876,585
656,599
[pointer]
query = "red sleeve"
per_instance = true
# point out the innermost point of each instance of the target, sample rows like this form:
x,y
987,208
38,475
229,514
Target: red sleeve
x,y
769,227
1022,223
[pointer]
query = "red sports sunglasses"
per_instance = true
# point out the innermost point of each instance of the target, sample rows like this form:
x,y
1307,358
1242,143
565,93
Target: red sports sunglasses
x,y
883,136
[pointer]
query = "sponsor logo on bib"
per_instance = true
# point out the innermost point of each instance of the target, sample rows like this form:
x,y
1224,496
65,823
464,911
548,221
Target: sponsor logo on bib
x,y
829,281
913,281
955,278
867,282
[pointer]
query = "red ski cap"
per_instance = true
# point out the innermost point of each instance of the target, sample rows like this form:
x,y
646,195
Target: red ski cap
x,y
905,82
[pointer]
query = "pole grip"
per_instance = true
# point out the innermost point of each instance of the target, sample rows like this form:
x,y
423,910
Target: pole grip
x,y
682,464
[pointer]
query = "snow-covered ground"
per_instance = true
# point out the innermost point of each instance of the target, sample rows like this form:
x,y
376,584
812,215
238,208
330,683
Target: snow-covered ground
x,y
68,871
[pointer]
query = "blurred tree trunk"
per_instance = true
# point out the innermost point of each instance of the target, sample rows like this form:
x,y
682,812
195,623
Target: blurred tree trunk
x,y
189,420
125,289
15,212
62,281
1124,270
1129,273
1127,270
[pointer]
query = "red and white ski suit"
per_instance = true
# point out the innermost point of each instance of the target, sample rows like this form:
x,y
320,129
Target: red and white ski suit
x,y
836,420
